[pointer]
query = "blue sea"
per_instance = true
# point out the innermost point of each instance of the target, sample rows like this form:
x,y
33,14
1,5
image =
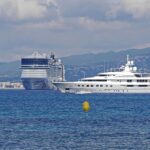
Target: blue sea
x,y
45,120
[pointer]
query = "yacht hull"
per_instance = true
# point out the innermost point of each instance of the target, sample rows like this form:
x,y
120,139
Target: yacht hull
x,y
72,87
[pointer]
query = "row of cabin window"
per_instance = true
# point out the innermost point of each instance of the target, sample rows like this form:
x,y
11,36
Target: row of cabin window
x,y
93,85
137,85
117,80
96,80
138,80
132,80
110,85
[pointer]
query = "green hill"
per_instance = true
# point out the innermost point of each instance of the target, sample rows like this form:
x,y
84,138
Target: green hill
x,y
89,63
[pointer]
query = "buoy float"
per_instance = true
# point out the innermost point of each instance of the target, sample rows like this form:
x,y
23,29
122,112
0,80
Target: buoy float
x,y
86,106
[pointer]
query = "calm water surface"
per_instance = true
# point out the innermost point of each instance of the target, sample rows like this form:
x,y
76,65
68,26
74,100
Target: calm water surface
x,y
44,120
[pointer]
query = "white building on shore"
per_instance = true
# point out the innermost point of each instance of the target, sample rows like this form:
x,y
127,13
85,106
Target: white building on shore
x,y
11,85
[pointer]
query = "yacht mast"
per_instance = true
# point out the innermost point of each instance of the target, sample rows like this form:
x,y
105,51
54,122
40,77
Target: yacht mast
x,y
128,58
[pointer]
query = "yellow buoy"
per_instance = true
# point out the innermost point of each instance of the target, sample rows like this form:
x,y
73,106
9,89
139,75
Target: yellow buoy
x,y
86,106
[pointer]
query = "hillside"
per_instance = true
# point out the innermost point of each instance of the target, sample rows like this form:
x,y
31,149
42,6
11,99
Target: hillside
x,y
78,66
89,59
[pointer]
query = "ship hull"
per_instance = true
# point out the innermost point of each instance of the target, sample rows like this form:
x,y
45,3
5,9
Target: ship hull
x,y
35,83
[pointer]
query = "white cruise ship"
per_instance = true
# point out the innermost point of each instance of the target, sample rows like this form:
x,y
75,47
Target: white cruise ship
x,y
39,70
125,80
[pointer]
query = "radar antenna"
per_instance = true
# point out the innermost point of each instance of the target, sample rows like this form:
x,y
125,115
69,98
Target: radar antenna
x,y
53,56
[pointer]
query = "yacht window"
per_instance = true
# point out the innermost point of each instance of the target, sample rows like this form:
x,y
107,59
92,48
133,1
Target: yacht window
x,y
118,80
103,75
87,85
91,85
101,85
142,85
130,85
141,80
102,80
82,85
97,85
129,80
96,80
78,85
137,75
110,85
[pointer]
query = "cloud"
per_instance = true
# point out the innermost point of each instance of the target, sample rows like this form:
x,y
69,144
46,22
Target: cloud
x,y
26,9
14,10
133,9
72,26
102,25
94,9
137,8
106,10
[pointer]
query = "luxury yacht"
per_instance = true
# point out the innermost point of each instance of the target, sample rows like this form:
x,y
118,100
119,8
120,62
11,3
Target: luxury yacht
x,y
39,70
125,80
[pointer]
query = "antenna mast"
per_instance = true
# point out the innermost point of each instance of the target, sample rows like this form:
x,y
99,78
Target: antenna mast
x,y
128,58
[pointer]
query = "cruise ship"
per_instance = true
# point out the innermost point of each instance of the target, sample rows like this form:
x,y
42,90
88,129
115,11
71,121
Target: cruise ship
x,y
126,79
40,70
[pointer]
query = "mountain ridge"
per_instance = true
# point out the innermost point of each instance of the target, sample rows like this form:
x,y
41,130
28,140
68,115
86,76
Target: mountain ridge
x,y
89,60
86,59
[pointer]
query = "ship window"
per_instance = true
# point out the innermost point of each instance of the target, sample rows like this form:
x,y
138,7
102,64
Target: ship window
x,y
97,85
101,85
82,85
110,85
78,85
67,89
33,61
87,85
129,80
91,85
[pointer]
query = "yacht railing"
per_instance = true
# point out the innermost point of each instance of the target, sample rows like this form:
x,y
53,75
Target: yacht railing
x,y
145,74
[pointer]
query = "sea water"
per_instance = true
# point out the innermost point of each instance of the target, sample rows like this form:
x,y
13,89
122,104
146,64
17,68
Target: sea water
x,y
46,120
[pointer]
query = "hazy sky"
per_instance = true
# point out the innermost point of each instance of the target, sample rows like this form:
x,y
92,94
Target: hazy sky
x,y
69,27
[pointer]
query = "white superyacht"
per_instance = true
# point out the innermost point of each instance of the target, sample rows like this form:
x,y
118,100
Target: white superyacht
x,y
39,70
125,80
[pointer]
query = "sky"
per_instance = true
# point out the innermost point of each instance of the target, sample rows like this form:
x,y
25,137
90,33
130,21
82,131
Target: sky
x,y
72,27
